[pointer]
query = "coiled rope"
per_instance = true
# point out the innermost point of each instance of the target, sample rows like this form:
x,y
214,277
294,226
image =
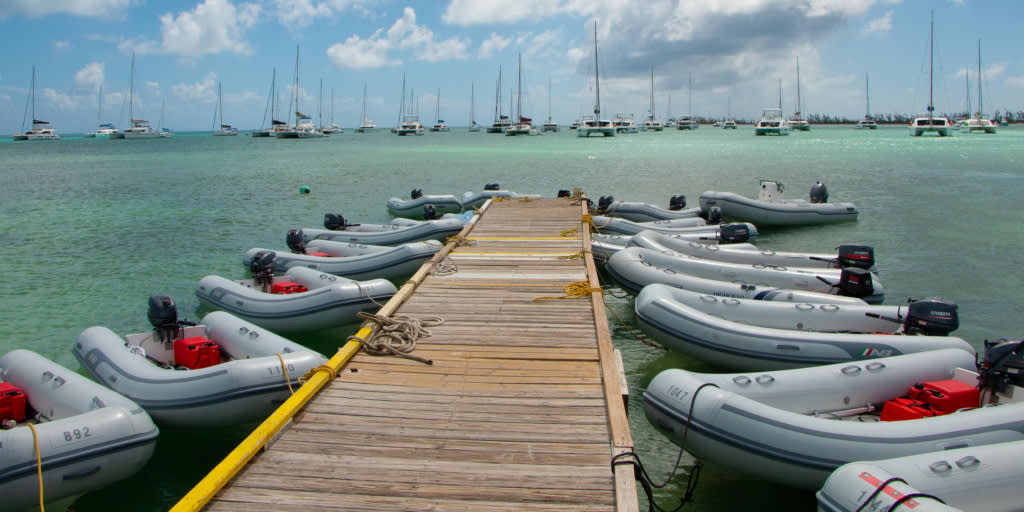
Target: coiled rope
x,y
397,335
576,290
39,465
444,267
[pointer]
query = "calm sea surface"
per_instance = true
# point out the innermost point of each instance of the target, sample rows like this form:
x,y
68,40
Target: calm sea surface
x,y
89,229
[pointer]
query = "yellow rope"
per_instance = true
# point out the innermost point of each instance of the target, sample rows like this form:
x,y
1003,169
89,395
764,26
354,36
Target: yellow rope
x,y
331,373
39,466
287,379
460,240
576,256
575,290
526,199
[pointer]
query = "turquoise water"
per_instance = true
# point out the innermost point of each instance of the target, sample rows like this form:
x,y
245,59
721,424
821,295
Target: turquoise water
x,y
90,228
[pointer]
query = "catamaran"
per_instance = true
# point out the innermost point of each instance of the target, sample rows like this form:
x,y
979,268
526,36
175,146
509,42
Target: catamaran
x,y
688,122
867,123
103,130
303,127
140,128
929,122
41,130
979,123
652,123
523,125
473,126
333,127
501,121
549,125
594,124
366,125
772,121
797,122
226,130
439,124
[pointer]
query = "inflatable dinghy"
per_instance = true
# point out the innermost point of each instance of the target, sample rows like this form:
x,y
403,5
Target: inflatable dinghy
x,y
770,209
420,206
351,260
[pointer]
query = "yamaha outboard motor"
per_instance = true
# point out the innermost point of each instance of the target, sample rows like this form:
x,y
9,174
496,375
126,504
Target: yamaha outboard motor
x,y
715,216
855,282
429,212
859,256
416,193
163,316
604,202
492,186
335,221
262,268
677,202
932,317
295,241
733,234
564,193
1003,365
819,193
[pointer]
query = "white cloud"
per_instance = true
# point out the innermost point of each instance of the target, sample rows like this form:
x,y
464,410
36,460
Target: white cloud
x,y
204,91
475,12
493,44
88,8
404,34
879,25
90,78
214,26
1015,81
297,14
62,45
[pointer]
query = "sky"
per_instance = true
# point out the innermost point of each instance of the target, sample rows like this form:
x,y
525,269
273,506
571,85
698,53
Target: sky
x,y
733,52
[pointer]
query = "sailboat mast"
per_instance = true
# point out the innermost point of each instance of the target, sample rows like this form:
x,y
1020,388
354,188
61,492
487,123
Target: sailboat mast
x,y
931,64
597,76
519,91
472,103
131,93
867,97
799,105
967,91
689,96
332,105
295,93
220,107
981,109
99,106
273,97
401,105
320,105
651,114
437,108
549,98
34,92
780,96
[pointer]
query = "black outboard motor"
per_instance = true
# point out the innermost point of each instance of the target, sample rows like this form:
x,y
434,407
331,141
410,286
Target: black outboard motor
x,y
492,186
859,256
564,193
295,241
163,316
429,212
262,268
416,193
677,202
733,234
715,216
819,193
1003,365
855,282
932,317
604,202
335,222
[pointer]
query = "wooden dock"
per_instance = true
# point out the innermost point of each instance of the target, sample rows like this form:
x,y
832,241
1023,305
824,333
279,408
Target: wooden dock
x,y
521,409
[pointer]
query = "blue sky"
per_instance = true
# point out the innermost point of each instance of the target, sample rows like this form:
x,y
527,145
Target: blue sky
x,y
736,49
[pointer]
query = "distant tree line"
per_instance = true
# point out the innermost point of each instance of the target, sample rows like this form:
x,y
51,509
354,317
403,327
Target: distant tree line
x,y
1011,117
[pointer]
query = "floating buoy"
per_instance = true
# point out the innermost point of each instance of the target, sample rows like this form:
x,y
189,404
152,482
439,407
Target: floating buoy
x,y
303,189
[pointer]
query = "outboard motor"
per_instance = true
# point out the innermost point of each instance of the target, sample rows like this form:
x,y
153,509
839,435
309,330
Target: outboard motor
x,y
163,316
416,193
932,317
335,222
564,193
819,193
1003,365
715,216
262,268
677,202
855,282
295,241
492,186
604,202
859,256
733,234
429,212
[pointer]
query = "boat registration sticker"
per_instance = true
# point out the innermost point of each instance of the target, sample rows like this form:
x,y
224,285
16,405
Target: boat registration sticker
x,y
71,435
875,482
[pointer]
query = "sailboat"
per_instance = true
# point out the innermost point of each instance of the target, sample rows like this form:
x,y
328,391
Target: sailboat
x,y
140,128
652,123
473,126
41,130
225,130
333,127
164,132
978,122
797,122
411,120
523,125
366,125
549,125
594,124
867,123
103,130
929,122
303,127
688,122
729,123
772,121
401,106
439,124
269,111
501,121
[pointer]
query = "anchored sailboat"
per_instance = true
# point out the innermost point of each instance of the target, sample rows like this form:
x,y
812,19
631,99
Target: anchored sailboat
x,y
303,127
978,122
523,125
473,126
550,125
797,121
929,122
41,130
140,128
103,130
867,123
594,124
225,129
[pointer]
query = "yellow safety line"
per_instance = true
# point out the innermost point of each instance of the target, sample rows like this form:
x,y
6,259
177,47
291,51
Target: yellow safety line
x,y
514,238
519,253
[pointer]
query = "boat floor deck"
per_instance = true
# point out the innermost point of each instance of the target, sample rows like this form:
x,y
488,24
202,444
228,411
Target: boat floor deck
x,y
520,410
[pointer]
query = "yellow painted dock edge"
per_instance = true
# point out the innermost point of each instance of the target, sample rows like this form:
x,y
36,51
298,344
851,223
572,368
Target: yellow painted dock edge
x,y
220,475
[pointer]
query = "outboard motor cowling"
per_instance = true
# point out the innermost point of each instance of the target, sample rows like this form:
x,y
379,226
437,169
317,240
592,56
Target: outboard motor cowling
x,y
429,212
262,268
932,317
714,216
295,241
677,202
819,193
733,234
163,316
604,202
1003,365
564,193
492,186
335,221
854,255
416,193
855,282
